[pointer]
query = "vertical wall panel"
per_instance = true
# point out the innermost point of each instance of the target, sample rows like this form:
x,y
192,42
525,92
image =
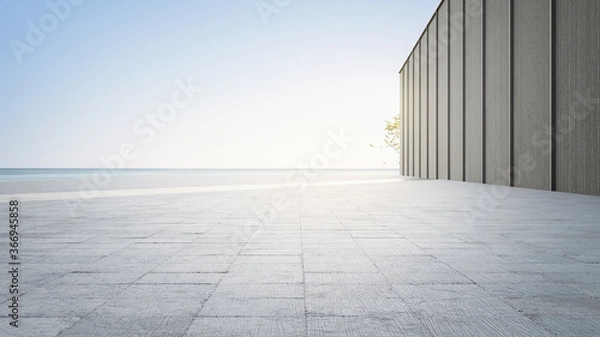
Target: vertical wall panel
x,y
432,98
442,130
497,86
417,97
473,91
577,76
401,93
456,104
404,123
407,118
424,101
411,121
531,93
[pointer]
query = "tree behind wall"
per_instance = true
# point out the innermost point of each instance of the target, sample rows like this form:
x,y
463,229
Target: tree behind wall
x,y
391,136
392,133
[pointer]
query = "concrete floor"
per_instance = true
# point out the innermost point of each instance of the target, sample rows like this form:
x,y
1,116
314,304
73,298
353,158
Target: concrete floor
x,y
402,258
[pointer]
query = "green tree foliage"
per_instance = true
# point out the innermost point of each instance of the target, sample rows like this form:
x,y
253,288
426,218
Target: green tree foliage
x,y
391,136
392,133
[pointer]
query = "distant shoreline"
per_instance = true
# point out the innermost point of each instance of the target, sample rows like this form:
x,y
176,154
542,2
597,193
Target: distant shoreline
x,y
37,174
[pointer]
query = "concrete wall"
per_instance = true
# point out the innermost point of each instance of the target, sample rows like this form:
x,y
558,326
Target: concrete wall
x,y
531,91
432,99
456,89
577,94
417,107
424,108
442,91
506,92
411,112
496,91
404,103
473,92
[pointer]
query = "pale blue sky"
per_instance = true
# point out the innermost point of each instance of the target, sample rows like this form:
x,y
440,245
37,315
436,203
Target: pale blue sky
x,y
273,86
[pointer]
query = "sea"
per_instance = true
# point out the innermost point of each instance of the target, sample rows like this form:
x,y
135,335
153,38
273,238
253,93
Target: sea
x,y
33,174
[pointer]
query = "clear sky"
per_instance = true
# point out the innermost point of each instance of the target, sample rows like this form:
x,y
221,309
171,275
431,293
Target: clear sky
x,y
83,82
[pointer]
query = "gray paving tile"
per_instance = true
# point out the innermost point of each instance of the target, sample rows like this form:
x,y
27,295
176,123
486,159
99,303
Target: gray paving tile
x,y
198,267
338,263
263,273
187,256
570,324
103,325
269,259
63,306
354,306
39,327
249,327
77,278
380,325
345,278
221,306
270,249
493,326
85,291
419,293
157,300
353,300
463,307
420,269
260,290
374,234
333,249
181,278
